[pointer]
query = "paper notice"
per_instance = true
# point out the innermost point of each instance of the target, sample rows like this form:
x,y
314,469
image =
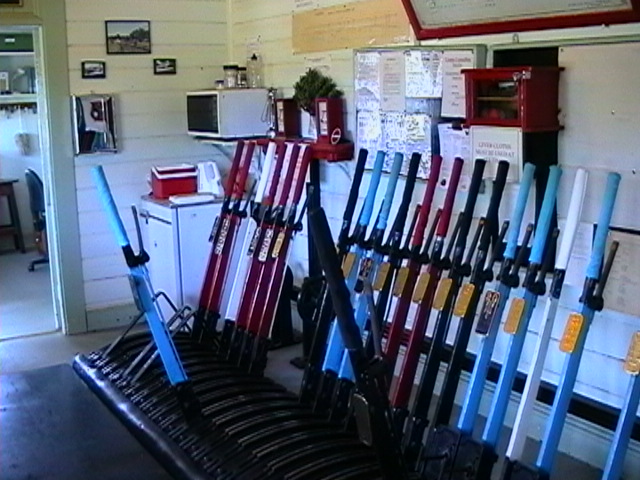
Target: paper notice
x,y
580,254
319,62
423,74
392,90
453,94
621,291
495,144
456,143
367,81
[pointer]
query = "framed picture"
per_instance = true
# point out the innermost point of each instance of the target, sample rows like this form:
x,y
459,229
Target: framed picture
x,y
128,36
11,3
94,69
164,66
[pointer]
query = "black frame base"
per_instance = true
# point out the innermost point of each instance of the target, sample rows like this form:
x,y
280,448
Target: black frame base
x,y
515,470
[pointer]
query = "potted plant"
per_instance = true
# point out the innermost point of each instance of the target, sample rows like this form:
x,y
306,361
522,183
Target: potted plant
x,y
313,84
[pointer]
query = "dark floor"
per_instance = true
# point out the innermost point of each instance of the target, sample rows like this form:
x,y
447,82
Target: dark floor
x,y
54,427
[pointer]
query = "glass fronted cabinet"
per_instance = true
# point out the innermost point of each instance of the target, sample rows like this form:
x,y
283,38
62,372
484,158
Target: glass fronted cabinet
x,y
17,69
525,97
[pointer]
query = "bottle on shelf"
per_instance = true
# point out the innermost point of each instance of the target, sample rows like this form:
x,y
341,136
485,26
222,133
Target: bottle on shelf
x,y
254,71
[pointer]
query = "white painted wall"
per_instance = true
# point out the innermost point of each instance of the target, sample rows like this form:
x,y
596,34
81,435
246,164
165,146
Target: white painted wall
x,y
150,116
601,80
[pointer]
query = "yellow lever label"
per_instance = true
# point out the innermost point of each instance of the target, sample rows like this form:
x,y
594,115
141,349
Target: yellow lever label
x,y
442,293
277,246
421,287
571,333
514,316
348,262
381,277
401,279
464,298
632,362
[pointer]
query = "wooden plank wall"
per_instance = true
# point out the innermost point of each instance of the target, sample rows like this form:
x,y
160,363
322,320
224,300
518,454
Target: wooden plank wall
x,y
151,119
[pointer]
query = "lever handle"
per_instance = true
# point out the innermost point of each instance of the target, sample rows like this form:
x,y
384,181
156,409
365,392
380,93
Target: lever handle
x,y
443,224
573,218
472,197
376,173
606,212
546,212
233,172
104,192
434,175
355,185
518,212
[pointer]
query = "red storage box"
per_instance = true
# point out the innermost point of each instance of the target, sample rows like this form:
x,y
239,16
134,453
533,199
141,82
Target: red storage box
x,y
174,180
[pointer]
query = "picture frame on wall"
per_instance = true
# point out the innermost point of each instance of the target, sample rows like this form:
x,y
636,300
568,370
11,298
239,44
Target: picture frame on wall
x,y
128,37
164,66
10,3
94,69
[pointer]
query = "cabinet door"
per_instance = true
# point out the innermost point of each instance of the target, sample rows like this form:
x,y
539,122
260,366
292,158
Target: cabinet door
x,y
194,228
161,246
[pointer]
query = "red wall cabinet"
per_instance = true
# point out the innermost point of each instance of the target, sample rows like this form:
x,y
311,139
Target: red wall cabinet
x,y
525,97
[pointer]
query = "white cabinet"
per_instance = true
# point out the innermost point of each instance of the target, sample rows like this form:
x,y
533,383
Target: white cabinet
x,y
177,240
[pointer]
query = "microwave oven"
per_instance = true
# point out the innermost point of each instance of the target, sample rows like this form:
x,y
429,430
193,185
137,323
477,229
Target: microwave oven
x,y
227,113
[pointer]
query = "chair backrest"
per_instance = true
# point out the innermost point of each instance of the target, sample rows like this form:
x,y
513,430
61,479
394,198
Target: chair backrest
x,y
36,197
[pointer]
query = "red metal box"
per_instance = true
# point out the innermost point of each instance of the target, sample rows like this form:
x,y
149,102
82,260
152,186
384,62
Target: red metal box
x,y
525,97
174,180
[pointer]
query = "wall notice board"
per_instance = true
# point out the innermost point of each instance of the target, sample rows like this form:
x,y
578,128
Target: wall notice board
x,y
404,97
455,18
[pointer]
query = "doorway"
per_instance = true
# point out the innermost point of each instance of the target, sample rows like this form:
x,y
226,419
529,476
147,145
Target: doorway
x,y
26,294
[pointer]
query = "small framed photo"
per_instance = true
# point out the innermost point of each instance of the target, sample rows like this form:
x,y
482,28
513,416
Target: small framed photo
x,y
164,66
94,69
128,36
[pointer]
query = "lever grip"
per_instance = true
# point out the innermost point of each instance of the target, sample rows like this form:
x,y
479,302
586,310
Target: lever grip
x,y
274,181
518,212
335,281
447,208
288,179
233,172
494,205
243,170
606,211
573,218
546,212
104,192
301,171
267,169
407,194
392,182
423,219
367,208
355,185
472,197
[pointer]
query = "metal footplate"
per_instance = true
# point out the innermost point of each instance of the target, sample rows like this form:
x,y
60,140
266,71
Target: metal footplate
x,y
474,460
440,451
520,471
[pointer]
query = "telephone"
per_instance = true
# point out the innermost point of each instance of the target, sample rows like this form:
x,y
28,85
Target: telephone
x,y
209,179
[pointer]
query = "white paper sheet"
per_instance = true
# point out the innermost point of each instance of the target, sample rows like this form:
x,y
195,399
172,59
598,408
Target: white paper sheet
x,y
622,291
580,254
455,143
367,81
392,91
453,91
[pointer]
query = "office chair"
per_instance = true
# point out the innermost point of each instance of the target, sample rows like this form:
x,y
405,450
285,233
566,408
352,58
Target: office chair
x,y
36,202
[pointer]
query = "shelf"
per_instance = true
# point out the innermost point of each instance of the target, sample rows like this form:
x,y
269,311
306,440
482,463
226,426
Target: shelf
x,y
497,99
15,54
19,98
